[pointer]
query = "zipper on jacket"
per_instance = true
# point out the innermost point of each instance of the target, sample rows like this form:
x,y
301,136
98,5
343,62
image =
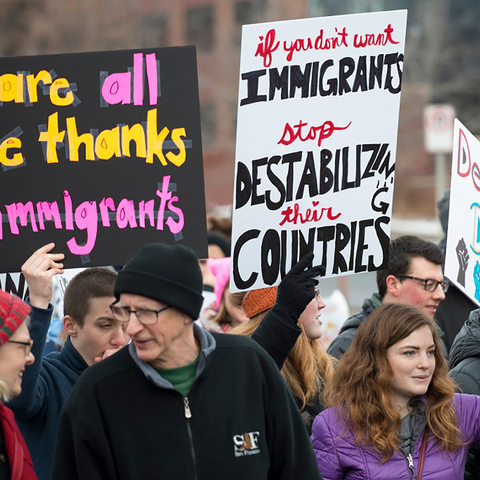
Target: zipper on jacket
x,y
188,416
188,412
411,466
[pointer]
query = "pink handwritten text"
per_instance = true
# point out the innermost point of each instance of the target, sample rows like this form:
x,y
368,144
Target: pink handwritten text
x,y
86,216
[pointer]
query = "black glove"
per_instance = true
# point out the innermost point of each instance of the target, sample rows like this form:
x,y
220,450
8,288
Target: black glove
x,y
297,289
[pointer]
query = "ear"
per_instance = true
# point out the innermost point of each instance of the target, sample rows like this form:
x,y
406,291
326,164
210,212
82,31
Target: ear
x,y
393,285
70,326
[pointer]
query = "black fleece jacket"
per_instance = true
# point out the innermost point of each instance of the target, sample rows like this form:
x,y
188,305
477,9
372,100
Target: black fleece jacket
x,y
124,421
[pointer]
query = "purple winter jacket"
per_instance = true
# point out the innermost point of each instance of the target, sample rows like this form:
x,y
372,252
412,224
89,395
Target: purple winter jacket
x,y
339,457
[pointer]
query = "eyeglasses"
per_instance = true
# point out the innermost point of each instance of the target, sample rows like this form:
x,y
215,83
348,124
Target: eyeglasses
x,y
27,346
145,316
429,284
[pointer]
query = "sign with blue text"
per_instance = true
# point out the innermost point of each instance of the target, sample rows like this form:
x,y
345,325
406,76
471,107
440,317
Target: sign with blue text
x,y
462,259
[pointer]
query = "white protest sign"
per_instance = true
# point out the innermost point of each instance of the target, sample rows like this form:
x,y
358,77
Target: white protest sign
x,y
462,261
14,283
316,144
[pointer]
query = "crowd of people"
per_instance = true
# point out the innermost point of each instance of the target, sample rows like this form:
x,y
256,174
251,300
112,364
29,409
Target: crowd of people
x,y
163,373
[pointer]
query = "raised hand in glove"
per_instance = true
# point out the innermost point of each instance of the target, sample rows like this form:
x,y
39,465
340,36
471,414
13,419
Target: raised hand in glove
x,y
297,289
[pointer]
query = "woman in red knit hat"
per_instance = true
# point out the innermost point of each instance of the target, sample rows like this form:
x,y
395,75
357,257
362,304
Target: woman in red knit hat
x,y
15,355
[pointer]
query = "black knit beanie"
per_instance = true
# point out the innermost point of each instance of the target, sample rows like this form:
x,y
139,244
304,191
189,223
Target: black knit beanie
x,y
167,273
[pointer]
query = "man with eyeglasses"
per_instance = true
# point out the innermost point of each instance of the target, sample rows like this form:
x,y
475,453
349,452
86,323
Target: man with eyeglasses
x,y
413,276
179,402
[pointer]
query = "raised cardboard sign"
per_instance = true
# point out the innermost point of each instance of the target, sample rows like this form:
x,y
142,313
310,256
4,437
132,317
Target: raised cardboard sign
x,y
318,113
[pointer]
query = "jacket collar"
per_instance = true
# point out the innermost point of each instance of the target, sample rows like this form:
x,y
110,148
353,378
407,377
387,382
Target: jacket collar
x,y
72,358
207,347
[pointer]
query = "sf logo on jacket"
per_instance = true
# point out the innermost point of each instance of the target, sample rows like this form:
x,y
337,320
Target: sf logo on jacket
x,y
246,444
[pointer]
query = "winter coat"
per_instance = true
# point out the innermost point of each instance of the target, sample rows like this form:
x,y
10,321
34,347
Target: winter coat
x,y
339,457
19,459
465,371
277,335
464,359
124,421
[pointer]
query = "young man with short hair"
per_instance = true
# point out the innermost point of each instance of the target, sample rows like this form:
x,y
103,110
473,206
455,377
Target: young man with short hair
x,y
413,276
92,334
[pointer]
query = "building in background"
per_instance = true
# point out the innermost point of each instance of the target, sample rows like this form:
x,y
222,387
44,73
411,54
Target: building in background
x,y
442,65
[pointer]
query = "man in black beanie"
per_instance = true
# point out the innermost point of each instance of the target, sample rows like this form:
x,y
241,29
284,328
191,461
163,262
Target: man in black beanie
x,y
180,402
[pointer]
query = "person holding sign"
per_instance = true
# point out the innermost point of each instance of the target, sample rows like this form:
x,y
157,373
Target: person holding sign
x,y
179,402
92,334
393,411
292,339
413,276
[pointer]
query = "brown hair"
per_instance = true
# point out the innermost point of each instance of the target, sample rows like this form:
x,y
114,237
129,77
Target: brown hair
x,y
361,388
94,282
307,367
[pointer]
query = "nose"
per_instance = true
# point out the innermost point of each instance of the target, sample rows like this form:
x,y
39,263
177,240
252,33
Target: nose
x,y
439,294
30,359
320,302
133,326
118,338
425,361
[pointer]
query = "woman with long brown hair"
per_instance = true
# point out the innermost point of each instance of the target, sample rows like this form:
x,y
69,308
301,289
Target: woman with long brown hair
x,y
394,413
291,334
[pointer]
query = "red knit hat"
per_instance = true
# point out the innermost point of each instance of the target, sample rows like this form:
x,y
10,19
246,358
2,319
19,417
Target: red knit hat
x,y
259,301
13,312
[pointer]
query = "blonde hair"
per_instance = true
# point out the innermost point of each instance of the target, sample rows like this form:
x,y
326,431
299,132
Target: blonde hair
x,y
307,367
361,388
5,394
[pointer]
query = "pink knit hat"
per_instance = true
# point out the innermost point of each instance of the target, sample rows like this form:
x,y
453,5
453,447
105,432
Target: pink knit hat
x,y
220,267
13,312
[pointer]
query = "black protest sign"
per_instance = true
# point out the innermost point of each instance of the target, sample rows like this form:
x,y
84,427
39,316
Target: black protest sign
x,y
100,153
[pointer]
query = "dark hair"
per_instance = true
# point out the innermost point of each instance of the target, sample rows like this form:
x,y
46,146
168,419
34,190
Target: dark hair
x,y
400,255
215,237
95,282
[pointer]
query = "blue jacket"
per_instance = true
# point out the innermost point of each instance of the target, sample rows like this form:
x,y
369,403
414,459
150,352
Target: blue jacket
x,y
45,387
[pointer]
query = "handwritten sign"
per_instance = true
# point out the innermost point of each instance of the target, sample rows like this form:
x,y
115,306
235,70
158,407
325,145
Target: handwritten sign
x,y
316,143
100,153
15,284
462,259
